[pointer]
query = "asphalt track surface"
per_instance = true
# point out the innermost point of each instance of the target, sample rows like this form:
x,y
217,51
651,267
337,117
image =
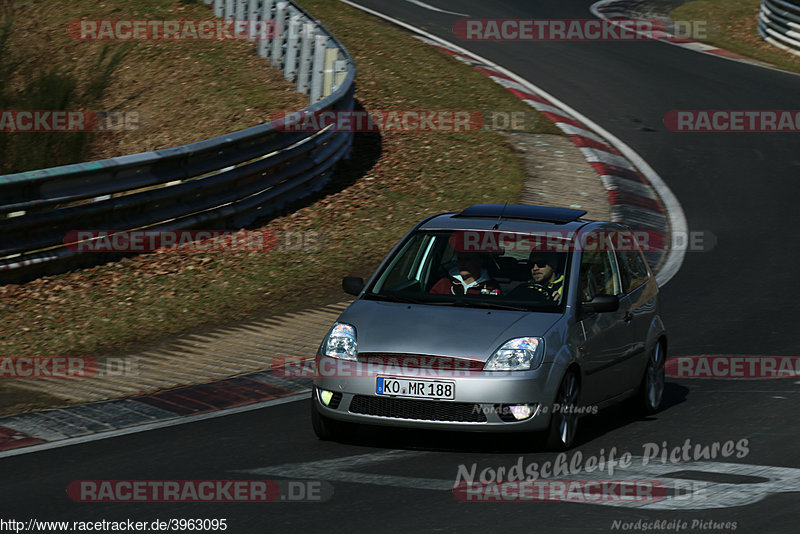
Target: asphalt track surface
x,y
738,298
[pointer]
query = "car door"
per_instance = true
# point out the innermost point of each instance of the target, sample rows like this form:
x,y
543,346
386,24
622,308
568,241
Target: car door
x,y
639,305
605,334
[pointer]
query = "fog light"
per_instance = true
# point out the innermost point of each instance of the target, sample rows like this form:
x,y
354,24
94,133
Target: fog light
x,y
521,411
325,396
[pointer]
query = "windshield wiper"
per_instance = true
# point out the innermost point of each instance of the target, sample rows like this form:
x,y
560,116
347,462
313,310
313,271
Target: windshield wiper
x,y
408,300
387,298
489,305
466,304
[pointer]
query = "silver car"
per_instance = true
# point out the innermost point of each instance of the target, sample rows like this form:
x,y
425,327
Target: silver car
x,y
500,318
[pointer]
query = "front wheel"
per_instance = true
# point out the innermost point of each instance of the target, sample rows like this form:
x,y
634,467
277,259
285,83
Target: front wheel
x,y
564,420
328,429
651,390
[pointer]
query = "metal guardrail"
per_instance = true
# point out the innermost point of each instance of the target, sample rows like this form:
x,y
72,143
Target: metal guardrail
x,y
779,24
222,183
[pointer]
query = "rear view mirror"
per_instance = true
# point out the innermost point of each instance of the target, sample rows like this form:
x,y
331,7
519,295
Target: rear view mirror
x,y
352,285
601,303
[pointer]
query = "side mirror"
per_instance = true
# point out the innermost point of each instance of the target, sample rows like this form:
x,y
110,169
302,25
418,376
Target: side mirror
x,y
601,303
352,285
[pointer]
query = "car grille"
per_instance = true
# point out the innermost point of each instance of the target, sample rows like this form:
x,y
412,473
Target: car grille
x,y
420,410
420,361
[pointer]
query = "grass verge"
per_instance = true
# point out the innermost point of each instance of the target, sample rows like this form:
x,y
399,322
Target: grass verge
x,y
391,182
182,91
735,23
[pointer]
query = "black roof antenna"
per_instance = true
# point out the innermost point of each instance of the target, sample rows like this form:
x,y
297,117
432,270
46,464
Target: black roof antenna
x,y
500,217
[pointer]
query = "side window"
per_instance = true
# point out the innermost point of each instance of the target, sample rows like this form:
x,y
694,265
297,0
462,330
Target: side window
x,y
598,275
633,269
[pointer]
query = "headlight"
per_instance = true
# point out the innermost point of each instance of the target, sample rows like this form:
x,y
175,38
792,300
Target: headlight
x,y
518,354
341,342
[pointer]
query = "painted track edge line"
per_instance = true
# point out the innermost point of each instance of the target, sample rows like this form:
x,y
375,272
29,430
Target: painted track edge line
x,y
155,425
677,220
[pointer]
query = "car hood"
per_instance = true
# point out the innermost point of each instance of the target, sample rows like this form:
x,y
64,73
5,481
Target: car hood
x,y
391,327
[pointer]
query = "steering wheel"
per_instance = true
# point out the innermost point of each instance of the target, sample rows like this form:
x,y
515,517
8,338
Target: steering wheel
x,y
535,293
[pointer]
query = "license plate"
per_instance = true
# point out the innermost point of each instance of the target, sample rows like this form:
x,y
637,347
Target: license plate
x,y
420,389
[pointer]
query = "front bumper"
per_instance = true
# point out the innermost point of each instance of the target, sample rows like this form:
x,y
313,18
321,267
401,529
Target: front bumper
x,y
480,403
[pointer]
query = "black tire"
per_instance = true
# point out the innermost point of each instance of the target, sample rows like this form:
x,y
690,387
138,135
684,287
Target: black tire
x,y
651,389
564,426
328,429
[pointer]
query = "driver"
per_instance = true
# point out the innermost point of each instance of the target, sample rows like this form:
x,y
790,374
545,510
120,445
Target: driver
x,y
545,277
468,277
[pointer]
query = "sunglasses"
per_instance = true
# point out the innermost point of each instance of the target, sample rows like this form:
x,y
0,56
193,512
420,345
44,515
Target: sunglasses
x,y
540,262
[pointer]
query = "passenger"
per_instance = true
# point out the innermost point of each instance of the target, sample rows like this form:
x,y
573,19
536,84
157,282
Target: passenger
x,y
546,278
469,277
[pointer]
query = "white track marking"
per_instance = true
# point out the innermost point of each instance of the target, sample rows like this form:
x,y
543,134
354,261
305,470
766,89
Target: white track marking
x,y
432,8
335,469
687,493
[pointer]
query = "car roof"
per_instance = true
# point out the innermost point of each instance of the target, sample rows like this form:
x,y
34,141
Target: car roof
x,y
509,218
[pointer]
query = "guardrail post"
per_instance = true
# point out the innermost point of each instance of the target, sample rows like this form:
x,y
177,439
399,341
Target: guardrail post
x,y
304,65
241,9
266,16
253,24
331,54
318,67
339,73
292,46
252,10
276,56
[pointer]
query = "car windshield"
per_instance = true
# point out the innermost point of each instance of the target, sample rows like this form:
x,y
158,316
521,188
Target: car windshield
x,y
491,269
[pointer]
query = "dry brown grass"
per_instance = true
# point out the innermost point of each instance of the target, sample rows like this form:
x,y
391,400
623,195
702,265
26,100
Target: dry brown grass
x,y
185,91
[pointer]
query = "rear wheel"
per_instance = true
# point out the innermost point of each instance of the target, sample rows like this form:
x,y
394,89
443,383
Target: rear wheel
x,y
651,390
564,420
